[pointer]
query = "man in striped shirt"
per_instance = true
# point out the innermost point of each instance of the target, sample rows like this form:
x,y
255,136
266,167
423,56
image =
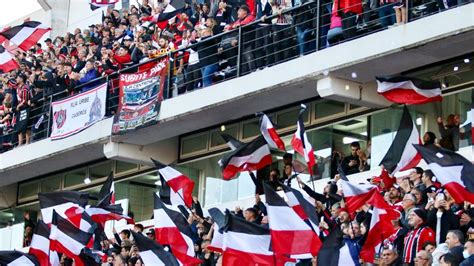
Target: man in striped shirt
x,y
417,236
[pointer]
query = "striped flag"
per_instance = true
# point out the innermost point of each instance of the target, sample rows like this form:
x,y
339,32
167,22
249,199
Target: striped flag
x,y
26,35
68,239
171,10
357,195
179,183
381,228
249,157
67,204
269,133
108,188
104,211
245,243
452,170
401,155
95,4
405,90
17,258
172,228
232,142
39,246
153,253
290,235
218,237
301,143
7,62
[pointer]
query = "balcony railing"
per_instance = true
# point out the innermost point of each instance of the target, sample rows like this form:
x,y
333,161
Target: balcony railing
x,y
267,41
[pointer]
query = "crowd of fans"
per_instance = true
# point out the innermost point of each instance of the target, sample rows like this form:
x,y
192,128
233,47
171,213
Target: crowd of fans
x,y
199,54
431,228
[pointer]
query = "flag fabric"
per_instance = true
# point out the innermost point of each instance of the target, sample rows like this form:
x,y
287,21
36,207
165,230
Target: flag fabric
x,y
95,4
290,235
401,155
269,133
179,183
245,243
68,239
107,188
7,62
168,196
301,143
302,207
17,258
68,204
453,171
104,211
172,228
171,10
39,246
405,90
218,237
330,250
26,35
357,195
232,142
381,228
384,178
153,253
249,157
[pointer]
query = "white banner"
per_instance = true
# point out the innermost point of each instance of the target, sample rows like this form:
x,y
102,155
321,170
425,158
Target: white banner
x,y
78,112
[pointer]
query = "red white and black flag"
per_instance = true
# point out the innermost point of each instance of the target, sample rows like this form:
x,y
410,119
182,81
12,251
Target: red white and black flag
x,y
290,234
104,211
66,238
249,157
217,242
302,207
7,62
269,133
179,183
453,171
381,228
232,142
171,10
39,246
68,204
357,195
153,253
301,143
17,258
26,35
172,228
245,243
108,188
95,4
401,155
405,90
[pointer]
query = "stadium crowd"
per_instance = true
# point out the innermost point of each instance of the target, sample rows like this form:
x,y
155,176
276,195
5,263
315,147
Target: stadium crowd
x,y
199,54
430,227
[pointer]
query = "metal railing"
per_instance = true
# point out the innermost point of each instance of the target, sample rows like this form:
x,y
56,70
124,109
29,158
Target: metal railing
x,y
265,42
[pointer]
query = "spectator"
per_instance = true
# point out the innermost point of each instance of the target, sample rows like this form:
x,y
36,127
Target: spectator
x,y
468,253
386,12
441,218
448,259
282,40
417,236
350,164
429,138
429,247
454,240
423,258
408,204
389,257
449,132
401,12
349,9
90,74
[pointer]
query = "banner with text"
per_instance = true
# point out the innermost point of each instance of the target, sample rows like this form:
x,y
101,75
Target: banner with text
x,y
141,94
78,112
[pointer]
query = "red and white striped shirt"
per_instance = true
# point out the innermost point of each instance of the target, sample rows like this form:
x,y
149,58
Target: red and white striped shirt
x,y
414,242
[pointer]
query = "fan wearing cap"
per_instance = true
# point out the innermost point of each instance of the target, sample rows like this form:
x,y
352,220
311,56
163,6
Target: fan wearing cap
x,y
417,236
151,234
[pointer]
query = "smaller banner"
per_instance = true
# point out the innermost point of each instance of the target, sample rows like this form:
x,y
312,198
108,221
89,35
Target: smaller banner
x,y
141,94
76,113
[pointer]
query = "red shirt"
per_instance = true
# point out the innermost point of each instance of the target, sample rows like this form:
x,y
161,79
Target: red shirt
x,y
415,240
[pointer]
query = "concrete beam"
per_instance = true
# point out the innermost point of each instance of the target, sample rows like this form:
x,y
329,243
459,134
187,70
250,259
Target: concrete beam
x,y
342,90
165,151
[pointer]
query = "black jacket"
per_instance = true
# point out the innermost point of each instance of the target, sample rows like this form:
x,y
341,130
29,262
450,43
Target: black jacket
x,y
449,221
